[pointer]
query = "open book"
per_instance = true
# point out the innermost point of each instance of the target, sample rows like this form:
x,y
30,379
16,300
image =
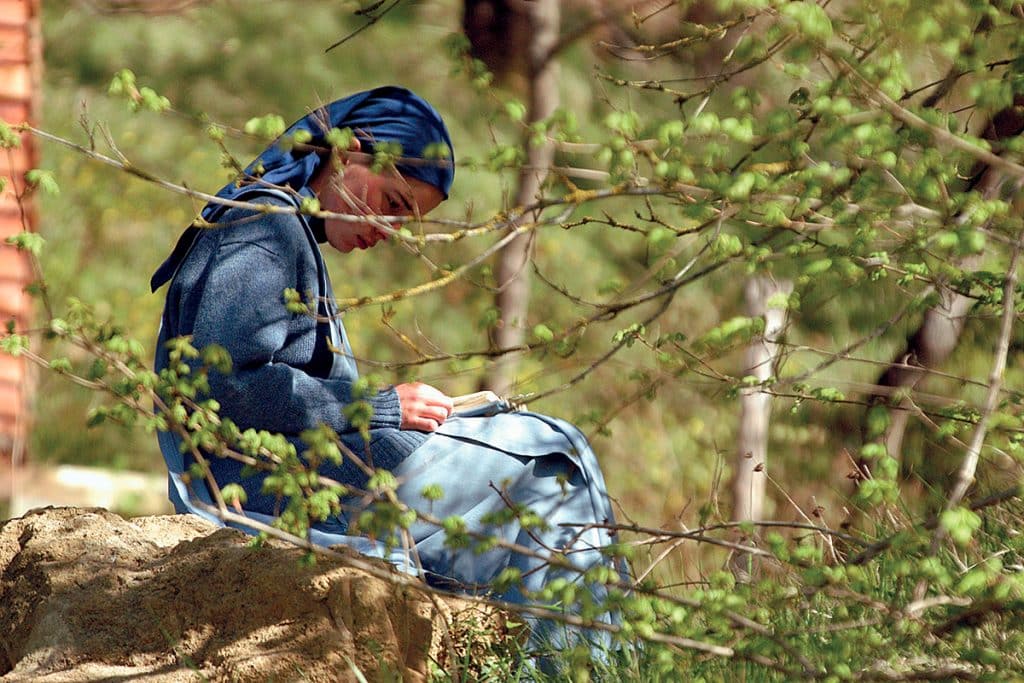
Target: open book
x,y
482,404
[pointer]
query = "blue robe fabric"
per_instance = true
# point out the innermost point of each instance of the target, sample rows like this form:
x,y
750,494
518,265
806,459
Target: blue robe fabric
x,y
226,290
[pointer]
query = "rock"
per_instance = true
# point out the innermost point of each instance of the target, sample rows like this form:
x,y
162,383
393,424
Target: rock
x,y
88,595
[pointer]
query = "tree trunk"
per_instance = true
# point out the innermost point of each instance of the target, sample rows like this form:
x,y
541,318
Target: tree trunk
x,y
940,330
929,347
512,271
749,468
748,484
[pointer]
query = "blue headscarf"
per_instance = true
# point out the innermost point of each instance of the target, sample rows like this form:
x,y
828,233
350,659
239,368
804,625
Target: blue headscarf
x,y
387,114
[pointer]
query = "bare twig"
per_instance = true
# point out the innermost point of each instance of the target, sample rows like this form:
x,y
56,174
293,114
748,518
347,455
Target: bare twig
x,y
373,18
965,475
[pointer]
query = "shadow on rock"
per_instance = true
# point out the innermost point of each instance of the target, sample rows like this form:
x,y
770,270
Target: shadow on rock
x,y
87,595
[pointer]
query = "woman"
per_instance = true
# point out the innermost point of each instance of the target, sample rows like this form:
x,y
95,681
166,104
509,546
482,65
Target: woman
x,y
226,288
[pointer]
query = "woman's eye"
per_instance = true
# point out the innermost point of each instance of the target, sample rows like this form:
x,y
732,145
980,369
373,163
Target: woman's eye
x,y
398,206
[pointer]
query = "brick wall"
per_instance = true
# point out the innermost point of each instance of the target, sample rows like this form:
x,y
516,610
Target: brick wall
x,y
20,64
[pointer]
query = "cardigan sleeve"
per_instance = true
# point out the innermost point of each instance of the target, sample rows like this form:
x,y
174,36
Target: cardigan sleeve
x,y
242,309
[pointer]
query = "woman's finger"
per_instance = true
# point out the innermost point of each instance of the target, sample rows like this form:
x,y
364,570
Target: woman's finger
x,y
439,400
426,424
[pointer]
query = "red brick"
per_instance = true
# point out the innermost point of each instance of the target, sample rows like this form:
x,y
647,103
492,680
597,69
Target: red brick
x,y
11,222
13,44
14,111
16,160
14,265
15,11
12,370
13,300
10,433
11,399
15,81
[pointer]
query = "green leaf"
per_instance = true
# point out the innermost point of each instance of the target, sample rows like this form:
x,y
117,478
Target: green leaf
x,y
877,421
60,365
778,301
293,302
960,523
741,187
810,18
489,318
828,394
340,138
775,215
671,132
972,241
14,344
738,328
151,100
974,581
31,242
382,480
233,494
872,451
818,267
216,357
432,492
96,417
630,334
8,138
660,238
705,123
122,83
726,245
543,333
516,110
268,127
437,150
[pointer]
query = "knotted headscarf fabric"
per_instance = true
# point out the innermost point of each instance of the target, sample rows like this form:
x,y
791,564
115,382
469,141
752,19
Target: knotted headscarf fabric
x,y
387,114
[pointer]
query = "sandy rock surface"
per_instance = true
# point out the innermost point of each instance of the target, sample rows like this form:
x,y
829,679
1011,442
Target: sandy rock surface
x,y
86,595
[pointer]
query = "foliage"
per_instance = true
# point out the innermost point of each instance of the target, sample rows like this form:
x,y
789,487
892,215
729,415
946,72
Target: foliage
x,y
839,145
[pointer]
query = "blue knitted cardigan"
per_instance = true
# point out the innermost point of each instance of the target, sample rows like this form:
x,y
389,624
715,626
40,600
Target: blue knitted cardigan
x,y
228,290
227,286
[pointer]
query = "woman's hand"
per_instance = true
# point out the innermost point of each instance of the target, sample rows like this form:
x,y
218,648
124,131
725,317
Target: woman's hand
x,y
424,408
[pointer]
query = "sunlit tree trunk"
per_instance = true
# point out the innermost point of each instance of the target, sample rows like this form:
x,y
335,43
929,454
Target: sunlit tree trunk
x,y
512,268
751,461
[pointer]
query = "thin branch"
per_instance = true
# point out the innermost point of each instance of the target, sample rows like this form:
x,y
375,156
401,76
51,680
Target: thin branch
x,y
372,19
941,135
965,475
880,546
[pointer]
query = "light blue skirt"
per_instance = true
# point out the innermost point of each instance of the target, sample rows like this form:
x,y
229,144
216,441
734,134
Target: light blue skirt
x,y
538,464
484,465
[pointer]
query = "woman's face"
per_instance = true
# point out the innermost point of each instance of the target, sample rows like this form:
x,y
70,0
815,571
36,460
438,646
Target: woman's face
x,y
355,189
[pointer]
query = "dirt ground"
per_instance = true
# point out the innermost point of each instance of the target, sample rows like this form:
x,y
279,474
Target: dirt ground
x,y
88,595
